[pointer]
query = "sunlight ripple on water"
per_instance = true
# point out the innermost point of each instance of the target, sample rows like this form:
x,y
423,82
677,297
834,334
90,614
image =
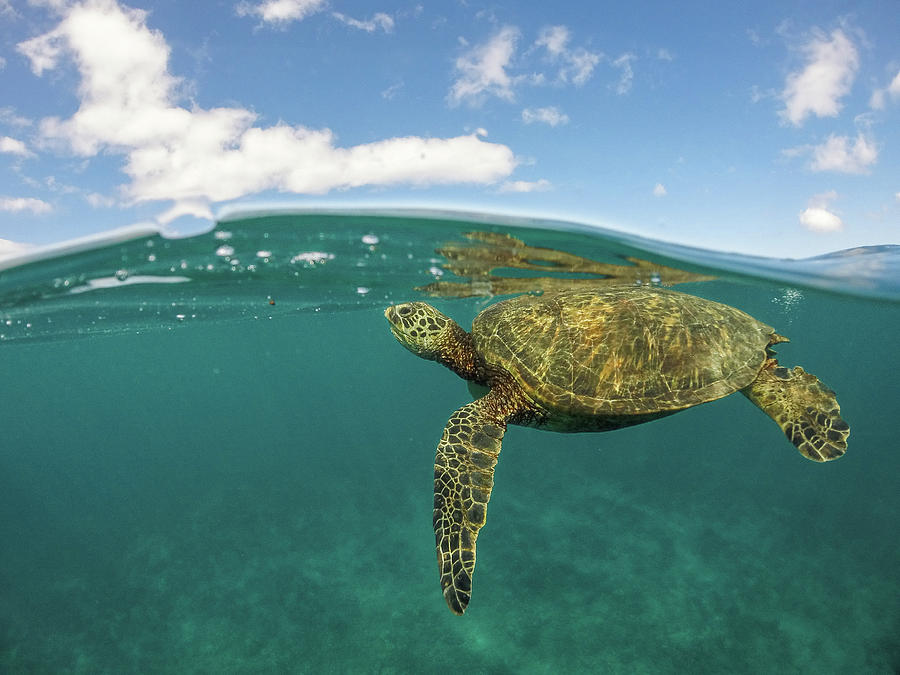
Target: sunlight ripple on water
x,y
204,276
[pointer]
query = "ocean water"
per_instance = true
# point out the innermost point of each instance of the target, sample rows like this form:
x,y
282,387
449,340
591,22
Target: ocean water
x,y
215,458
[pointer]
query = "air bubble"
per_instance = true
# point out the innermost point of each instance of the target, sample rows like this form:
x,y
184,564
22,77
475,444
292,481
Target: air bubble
x,y
370,239
312,257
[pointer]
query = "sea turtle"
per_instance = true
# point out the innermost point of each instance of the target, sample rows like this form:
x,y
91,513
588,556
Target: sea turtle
x,y
594,360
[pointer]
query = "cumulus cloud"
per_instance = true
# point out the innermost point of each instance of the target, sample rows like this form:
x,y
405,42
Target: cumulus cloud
x,y
880,96
13,146
18,204
820,219
128,106
281,11
550,115
817,217
838,154
831,66
659,190
482,69
380,20
525,186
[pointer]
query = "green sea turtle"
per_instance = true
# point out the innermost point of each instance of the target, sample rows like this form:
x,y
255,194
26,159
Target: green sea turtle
x,y
594,360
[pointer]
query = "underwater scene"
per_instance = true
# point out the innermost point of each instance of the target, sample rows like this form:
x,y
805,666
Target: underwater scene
x,y
215,457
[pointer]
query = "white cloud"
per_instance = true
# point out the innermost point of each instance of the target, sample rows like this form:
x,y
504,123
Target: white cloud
x,y
624,62
97,200
894,86
13,146
128,107
577,65
391,91
281,11
554,39
42,51
16,204
9,248
551,115
831,65
879,96
664,55
659,190
581,66
380,20
8,116
198,208
817,217
525,186
837,154
482,70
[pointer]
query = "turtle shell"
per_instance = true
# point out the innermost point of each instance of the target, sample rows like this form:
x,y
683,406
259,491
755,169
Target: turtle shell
x,y
626,350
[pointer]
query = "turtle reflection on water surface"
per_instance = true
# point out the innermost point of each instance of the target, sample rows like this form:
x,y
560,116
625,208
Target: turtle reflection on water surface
x,y
594,360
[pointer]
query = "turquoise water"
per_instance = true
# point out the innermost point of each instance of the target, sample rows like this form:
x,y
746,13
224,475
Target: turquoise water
x,y
194,479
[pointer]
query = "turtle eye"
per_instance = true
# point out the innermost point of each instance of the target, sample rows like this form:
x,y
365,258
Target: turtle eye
x,y
404,310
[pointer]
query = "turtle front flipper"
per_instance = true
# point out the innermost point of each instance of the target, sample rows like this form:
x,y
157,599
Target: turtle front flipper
x,y
463,478
805,409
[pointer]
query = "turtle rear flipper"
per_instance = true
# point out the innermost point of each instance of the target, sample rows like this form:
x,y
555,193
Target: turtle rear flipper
x,y
463,478
805,409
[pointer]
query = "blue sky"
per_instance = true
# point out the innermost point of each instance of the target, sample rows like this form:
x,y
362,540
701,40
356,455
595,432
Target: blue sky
x,y
771,128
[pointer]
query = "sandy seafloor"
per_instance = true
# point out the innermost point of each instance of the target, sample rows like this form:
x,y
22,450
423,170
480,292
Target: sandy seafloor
x,y
256,497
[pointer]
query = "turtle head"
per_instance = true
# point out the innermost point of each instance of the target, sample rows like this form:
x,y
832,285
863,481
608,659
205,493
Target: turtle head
x,y
423,330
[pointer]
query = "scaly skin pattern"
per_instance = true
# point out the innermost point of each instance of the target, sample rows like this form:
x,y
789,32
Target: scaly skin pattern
x,y
463,479
805,409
